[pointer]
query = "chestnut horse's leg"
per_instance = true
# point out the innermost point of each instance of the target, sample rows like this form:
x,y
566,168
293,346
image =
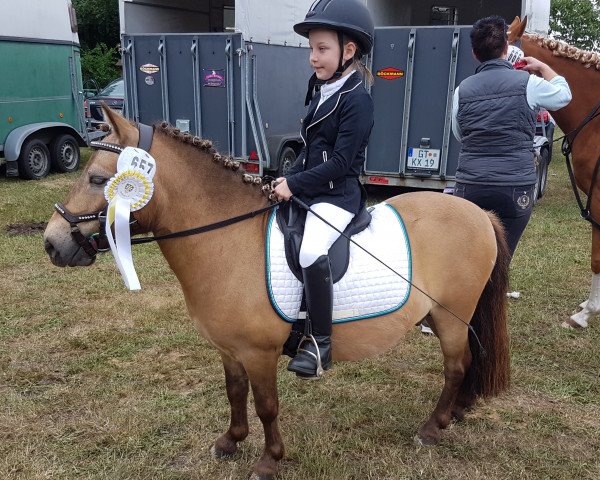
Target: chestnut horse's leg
x,y
262,372
453,338
590,307
236,382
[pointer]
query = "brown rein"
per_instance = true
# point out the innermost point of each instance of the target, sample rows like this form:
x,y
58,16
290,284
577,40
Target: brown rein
x,y
566,148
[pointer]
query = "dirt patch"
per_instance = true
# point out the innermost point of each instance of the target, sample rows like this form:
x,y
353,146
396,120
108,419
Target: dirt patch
x,y
14,229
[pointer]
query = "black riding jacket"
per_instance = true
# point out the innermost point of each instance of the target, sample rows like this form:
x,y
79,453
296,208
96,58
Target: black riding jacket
x,y
335,139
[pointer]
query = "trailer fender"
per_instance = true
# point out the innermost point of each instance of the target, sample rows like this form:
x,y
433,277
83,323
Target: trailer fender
x,y
539,142
46,130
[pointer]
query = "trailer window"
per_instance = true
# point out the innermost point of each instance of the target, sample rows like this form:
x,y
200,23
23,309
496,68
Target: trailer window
x,y
228,19
443,15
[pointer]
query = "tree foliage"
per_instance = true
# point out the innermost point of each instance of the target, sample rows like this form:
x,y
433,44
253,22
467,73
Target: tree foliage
x,y
98,25
576,22
98,22
100,63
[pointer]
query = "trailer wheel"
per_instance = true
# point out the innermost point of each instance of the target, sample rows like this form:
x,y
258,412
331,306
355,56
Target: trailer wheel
x,y
542,172
65,154
34,160
286,160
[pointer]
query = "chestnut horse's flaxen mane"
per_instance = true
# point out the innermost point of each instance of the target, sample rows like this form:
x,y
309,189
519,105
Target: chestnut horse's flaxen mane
x,y
562,49
205,146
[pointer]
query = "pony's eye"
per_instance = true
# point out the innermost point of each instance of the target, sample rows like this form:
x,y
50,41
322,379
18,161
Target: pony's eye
x,y
98,180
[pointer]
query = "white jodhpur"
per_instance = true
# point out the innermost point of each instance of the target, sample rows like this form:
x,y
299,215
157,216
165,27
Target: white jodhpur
x,y
590,308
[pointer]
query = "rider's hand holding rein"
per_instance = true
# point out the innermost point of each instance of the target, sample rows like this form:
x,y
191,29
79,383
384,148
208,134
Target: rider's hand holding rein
x,y
281,190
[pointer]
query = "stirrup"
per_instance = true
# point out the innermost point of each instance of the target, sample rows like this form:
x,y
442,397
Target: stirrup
x,y
319,371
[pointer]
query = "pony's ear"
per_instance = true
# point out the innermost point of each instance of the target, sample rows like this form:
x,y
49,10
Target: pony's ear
x,y
514,24
516,29
119,126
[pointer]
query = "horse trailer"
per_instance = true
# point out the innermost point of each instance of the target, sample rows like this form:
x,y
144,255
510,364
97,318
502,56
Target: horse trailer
x,y
235,72
42,121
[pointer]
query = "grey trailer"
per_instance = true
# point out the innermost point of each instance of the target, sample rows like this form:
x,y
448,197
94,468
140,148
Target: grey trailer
x,y
422,51
234,71
242,87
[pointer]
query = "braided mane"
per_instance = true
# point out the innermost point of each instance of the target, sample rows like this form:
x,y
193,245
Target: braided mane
x,y
206,146
562,49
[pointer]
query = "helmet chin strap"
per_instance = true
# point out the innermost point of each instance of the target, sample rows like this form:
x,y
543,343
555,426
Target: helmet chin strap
x,y
314,84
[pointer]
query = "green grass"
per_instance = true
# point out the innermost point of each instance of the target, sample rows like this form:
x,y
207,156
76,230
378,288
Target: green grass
x,y
101,383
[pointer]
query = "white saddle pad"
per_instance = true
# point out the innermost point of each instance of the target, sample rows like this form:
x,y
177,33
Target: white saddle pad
x,y
367,289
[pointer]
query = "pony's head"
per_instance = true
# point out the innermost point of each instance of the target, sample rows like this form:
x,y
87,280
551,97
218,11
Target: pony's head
x,y
65,241
199,186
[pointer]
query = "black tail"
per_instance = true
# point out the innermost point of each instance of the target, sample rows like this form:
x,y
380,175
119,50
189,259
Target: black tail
x,y
489,373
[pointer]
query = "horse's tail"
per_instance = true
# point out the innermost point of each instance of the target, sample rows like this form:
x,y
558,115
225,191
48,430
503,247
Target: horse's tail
x,y
489,374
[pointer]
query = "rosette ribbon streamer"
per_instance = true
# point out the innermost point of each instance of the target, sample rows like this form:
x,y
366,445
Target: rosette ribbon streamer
x,y
128,191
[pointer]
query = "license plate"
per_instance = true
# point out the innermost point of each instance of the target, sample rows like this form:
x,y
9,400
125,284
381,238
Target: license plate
x,y
423,158
118,110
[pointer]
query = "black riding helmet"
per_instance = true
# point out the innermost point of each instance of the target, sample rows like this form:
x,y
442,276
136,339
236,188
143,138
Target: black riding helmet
x,y
350,17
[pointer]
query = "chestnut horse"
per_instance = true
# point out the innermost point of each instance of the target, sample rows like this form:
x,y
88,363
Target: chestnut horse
x,y
582,71
459,257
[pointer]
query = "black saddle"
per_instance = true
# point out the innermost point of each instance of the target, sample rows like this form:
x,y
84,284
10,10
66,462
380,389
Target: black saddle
x,y
291,218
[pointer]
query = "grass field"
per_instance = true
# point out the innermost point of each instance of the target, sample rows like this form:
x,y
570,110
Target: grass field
x,y
101,383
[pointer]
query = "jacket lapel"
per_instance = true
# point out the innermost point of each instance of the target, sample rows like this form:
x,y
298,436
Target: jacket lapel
x,y
332,102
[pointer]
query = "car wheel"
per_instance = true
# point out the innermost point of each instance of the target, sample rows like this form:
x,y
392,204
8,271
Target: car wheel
x,y
34,160
542,172
286,160
65,154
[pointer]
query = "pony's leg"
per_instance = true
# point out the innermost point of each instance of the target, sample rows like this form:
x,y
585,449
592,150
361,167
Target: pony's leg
x,y
465,397
453,338
262,372
236,383
590,307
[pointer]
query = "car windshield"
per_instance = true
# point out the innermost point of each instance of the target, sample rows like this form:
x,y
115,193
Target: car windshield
x,y
115,89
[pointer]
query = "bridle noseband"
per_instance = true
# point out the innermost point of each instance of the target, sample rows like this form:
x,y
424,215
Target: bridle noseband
x,y
90,245
98,242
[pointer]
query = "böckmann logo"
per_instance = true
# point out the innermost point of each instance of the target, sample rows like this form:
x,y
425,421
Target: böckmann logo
x,y
390,73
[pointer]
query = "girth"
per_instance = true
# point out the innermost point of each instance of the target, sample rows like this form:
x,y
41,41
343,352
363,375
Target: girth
x,y
291,218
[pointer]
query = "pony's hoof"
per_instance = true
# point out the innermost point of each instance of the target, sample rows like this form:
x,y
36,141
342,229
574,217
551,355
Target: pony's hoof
x,y
579,319
256,476
458,414
425,441
220,454
572,324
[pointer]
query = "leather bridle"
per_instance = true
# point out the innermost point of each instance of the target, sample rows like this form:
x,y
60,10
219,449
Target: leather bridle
x,y
98,242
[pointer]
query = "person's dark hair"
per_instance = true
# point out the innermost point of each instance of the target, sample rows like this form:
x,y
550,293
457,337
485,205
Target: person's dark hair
x,y
489,37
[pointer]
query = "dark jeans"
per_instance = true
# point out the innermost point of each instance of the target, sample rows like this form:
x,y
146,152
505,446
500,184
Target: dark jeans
x,y
513,205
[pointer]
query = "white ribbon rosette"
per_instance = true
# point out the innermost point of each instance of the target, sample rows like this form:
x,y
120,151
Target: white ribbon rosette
x,y
128,191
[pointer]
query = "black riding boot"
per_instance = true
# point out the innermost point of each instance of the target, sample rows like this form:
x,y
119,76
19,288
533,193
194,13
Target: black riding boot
x,y
318,287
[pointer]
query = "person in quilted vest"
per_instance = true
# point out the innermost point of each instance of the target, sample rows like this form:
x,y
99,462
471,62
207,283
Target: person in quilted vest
x,y
494,115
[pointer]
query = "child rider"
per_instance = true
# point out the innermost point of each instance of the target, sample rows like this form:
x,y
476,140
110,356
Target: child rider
x,y
325,176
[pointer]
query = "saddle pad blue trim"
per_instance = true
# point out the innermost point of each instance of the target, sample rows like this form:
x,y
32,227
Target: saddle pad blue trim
x,y
287,304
